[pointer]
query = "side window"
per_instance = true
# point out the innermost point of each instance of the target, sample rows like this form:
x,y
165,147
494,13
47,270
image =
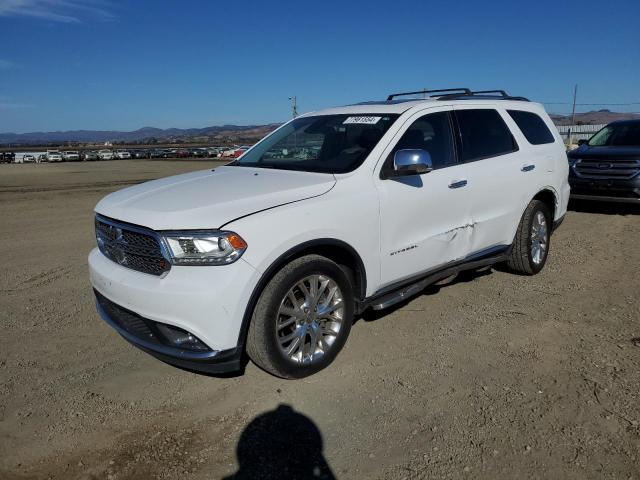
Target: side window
x,y
532,126
483,134
433,134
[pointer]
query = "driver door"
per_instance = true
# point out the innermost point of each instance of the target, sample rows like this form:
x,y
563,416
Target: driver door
x,y
425,220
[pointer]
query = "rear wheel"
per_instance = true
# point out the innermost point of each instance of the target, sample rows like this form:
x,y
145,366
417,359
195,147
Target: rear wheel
x,y
302,319
531,245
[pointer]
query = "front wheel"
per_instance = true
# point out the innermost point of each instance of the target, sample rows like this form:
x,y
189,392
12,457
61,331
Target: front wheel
x,y
531,245
302,319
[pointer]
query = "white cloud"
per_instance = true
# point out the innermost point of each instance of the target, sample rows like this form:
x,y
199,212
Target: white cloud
x,y
66,11
14,106
6,103
6,65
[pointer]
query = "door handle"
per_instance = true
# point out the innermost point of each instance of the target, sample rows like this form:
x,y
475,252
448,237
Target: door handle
x,y
527,168
458,183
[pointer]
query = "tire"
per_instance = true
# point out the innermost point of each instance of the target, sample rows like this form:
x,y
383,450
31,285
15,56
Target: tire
x,y
524,257
280,314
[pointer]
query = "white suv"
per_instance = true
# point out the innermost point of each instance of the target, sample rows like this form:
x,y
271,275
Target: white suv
x,y
54,156
105,154
71,156
335,212
122,154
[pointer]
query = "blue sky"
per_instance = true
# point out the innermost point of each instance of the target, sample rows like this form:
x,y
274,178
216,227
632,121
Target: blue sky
x,y
98,64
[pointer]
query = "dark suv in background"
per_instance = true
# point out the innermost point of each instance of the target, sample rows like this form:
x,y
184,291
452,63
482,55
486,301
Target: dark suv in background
x,y
7,157
607,166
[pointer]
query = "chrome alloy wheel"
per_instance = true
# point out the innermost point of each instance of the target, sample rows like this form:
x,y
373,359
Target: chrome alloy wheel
x,y
539,238
309,318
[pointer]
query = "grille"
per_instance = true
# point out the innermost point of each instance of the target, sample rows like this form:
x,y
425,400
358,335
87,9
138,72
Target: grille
x,y
149,331
128,321
131,247
607,168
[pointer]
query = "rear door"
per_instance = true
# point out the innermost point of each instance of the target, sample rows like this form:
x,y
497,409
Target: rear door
x,y
424,219
540,151
494,167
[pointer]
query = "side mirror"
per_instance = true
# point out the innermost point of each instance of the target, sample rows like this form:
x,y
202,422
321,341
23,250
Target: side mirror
x,y
412,162
582,141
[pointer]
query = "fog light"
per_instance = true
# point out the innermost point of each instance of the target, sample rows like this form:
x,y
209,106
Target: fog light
x,y
179,338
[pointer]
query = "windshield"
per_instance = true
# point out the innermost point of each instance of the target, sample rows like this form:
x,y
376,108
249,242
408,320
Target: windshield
x,y
327,143
617,135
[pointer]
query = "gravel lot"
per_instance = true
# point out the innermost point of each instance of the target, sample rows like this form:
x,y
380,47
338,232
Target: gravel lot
x,y
493,376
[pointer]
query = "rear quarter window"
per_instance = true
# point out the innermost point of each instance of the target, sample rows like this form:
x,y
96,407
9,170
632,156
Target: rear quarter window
x,y
483,134
532,126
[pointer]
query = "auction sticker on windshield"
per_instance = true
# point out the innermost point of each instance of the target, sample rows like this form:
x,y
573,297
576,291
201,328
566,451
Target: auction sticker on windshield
x,y
366,120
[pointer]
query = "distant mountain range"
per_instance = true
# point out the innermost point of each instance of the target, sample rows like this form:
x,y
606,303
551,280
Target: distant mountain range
x,y
225,133
598,117
145,134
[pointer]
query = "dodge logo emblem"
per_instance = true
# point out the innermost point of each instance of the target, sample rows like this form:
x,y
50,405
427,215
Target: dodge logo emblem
x,y
118,254
117,245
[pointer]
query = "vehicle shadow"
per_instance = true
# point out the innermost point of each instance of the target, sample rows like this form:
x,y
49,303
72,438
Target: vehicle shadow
x,y
371,315
281,444
244,361
605,208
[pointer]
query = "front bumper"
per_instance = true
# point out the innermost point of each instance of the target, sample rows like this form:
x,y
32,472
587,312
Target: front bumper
x,y
210,361
605,189
207,301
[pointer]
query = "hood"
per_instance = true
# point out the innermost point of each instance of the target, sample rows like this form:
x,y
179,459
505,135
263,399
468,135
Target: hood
x,y
211,198
610,153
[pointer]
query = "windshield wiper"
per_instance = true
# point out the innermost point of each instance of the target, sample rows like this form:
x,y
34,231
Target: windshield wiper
x,y
253,165
274,166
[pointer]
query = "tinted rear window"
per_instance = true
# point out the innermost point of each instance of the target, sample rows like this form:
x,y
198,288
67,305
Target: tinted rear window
x,y
532,126
484,134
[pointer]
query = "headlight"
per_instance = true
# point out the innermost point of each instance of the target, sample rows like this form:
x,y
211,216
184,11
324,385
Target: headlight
x,y
204,248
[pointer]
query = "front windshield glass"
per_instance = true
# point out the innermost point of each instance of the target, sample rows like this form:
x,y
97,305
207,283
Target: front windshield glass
x,y
620,135
326,143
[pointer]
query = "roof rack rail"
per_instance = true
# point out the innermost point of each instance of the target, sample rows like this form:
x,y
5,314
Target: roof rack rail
x,y
482,94
501,92
460,91
460,94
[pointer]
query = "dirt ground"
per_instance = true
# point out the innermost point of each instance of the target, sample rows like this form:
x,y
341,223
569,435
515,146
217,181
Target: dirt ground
x,y
494,376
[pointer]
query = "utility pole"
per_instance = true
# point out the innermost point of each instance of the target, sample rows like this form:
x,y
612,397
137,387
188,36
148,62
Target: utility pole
x,y
573,113
294,106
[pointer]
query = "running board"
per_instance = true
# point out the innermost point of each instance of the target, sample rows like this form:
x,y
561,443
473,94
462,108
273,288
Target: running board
x,y
386,300
396,297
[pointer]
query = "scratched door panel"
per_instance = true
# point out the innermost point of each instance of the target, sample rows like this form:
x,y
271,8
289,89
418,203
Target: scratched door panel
x,y
424,223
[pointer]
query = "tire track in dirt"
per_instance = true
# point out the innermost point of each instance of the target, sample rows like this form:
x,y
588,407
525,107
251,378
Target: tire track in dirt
x,y
75,186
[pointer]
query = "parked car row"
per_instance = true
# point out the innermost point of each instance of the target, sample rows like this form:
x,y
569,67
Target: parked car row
x,y
122,154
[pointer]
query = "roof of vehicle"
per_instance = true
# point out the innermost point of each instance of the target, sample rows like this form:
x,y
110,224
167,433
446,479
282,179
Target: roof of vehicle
x,y
401,107
393,105
631,121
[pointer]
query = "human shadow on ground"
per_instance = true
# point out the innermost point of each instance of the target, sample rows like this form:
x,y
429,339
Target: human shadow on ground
x,y
281,444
